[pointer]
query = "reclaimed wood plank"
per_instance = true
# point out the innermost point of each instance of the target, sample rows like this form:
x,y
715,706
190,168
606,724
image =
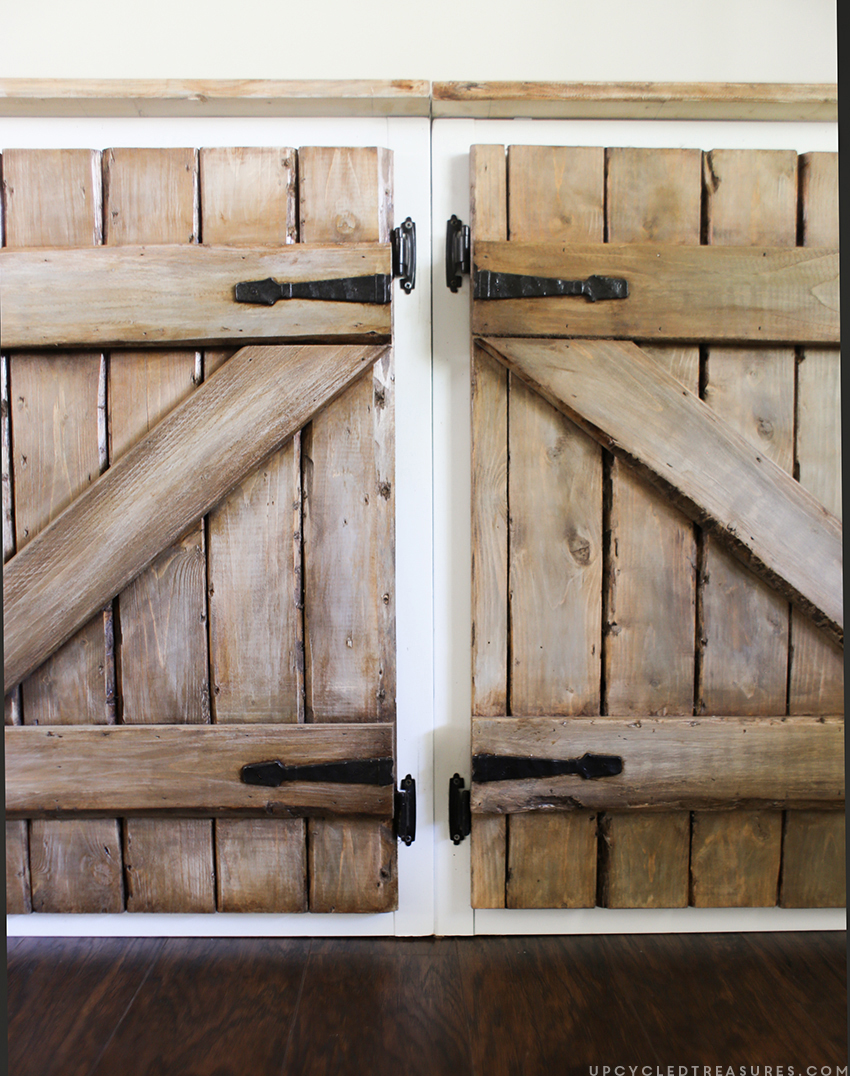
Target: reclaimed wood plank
x,y
751,197
488,202
636,100
650,584
53,198
551,860
18,884
186,769
162,661
345,195
668,762
718,478
813,861
555,537
676,293
143,502
254,559
149,295
214,97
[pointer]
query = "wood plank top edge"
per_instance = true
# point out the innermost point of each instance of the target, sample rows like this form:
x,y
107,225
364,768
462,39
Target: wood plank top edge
x,y
140,97
418,97
627,100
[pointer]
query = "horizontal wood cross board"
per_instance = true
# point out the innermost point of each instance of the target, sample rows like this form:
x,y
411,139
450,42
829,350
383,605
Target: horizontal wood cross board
x,y
685,293
186,770
633,407
155,295
120,524
690,763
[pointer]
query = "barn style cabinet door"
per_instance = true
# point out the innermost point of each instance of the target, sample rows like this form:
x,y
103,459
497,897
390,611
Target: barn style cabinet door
x,y
198,525
656,611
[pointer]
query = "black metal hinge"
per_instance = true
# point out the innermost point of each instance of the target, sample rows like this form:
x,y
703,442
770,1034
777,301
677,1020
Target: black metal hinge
x,y
460,813
513,768
489,285
374,289
404,818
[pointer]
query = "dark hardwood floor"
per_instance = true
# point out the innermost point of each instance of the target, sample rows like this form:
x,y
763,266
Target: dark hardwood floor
x,y
518,1006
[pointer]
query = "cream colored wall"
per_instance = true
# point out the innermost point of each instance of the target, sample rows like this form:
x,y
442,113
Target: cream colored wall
x,y
642,40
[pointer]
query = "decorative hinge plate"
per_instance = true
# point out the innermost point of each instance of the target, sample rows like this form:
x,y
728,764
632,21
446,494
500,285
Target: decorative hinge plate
x,y
460,813
512,768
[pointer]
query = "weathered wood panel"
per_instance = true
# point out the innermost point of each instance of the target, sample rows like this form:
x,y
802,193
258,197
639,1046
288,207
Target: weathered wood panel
x,y
149,295
813,860
53,198
713,762
489,402
345,195
555,536
751,198
650,584
711,471
18,885
186,769
144,501
552,860
254,559
676,293
161,652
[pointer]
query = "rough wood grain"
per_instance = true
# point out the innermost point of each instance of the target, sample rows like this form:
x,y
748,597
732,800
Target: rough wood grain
x,y
53,198
488,849
353,866
648,652
676,293
11,701
644,859
489,480
345,195
814,873
813,862
214,97
162,660
713,473
735,859
261,865
153,295
555,520
636,100
552,860
169,865
668,762
143,502
254,559
18,886
186,769
751,197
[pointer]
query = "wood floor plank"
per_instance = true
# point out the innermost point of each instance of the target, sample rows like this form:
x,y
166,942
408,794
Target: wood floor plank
x,y
813,860
489,480
383,1005
221,1005
555,514
348,468
53,198
751,197
254,558
649,645
86,985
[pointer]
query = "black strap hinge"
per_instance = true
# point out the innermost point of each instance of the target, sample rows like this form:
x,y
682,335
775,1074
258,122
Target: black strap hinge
x,y
352,771
460,811
516,768
374,289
